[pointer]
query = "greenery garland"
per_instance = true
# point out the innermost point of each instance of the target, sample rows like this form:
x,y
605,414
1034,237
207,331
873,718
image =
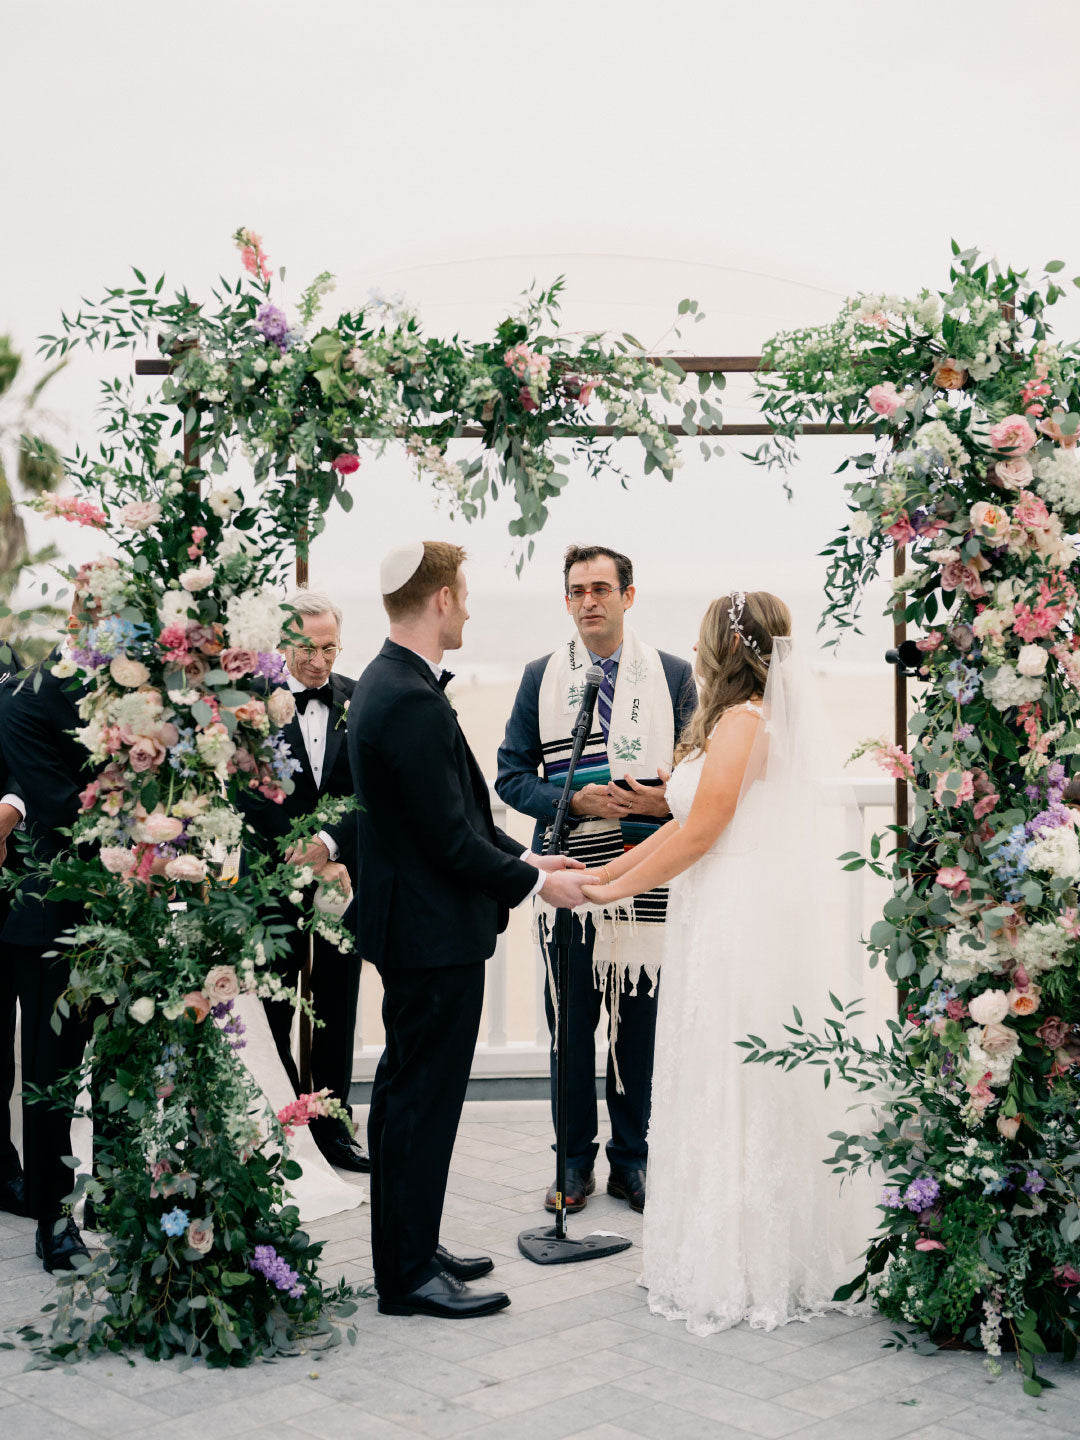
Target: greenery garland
x,y
976,470
171,666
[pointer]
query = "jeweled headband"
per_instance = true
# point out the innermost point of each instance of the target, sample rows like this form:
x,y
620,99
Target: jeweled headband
x,y
736,606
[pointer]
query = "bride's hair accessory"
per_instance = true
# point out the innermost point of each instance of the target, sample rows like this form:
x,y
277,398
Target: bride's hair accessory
x,y
736,606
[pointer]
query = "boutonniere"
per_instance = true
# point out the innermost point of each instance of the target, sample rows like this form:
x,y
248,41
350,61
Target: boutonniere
x,y
343,716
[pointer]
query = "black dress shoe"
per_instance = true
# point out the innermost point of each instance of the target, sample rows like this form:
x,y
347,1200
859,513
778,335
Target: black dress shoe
x,y
57,1252
628,1185
13,1195
464,1267
445,1297
344,1152
580,1184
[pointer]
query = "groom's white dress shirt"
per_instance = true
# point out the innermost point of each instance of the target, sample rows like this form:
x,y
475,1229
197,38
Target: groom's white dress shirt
x,y
314,722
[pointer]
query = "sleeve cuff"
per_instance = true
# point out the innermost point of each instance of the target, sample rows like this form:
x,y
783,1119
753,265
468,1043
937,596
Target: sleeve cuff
x,y
16,802
330,843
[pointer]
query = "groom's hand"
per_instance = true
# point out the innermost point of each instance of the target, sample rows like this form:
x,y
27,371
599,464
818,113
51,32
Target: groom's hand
x,y
554,862
562,888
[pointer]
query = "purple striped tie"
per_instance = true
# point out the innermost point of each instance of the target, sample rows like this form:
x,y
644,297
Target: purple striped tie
x,y
606,696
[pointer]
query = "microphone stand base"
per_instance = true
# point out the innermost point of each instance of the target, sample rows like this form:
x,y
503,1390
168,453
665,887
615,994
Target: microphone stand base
x,y
547,1247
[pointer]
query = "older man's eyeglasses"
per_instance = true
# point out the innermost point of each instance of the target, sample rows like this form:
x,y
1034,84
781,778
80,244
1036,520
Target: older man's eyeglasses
x,y
601,591
328,652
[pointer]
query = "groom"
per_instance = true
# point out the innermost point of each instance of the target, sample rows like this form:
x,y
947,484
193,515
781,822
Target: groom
x,y
436,882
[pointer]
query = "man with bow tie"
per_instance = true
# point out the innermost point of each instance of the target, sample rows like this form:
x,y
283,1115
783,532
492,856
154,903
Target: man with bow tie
x,y
316,736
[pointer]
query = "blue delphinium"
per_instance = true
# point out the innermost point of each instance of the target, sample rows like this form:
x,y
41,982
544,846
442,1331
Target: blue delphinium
x,y
175,1222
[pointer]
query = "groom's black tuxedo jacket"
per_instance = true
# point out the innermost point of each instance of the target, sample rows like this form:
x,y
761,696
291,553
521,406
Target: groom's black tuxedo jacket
x,y
50,768
436,877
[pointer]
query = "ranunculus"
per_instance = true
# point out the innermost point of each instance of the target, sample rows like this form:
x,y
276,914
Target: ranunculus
x,y
237,663
929,643
962,636
199,577
901,531
159,828
1013,434
195,667
1014,474
1053,1032
991,521
998,1039
281,706
117,859
1032,660
140,514
883,399
949,375
1067,1276
185,867
927,1244
1024,1002
346,464
221,984
989,1007
200,1236
142,1009
198,1004
952,878
145,754
252,712
129,673
1008,1126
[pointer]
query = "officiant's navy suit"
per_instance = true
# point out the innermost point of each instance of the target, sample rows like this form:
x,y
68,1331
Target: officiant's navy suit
x,y
435,883
521,784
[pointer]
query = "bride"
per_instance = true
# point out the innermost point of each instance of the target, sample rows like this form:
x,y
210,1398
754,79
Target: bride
x,y
743,1221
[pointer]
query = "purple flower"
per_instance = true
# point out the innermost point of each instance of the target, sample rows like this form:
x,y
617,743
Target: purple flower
x,y
921,1193
271,665
234,1026
1034,1183
891,1198
963,732
273,326
1051,819
268,1263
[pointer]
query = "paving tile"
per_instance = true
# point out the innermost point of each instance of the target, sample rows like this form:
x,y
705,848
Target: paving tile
x,y
405,1405
23,1421
72,1395
665,1422
887,1417
348,1422
709,1365
767,1418
972,1384
563,1418
524,1392
983,1420
551,1348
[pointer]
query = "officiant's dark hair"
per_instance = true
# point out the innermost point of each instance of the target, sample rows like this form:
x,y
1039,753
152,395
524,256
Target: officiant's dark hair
x,y
437,569
579,554
732,671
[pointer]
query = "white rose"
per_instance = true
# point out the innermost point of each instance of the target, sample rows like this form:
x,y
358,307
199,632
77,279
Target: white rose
x,y
128,673
175,605
64,669
861,525
142,1009
199,577
223,501
990,1006
1032,660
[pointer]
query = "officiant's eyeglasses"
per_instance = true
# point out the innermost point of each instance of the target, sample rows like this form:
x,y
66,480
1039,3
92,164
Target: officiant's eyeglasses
x,y
602,591
328,652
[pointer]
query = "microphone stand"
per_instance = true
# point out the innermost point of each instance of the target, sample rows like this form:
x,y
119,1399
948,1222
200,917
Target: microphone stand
x,y
552,1245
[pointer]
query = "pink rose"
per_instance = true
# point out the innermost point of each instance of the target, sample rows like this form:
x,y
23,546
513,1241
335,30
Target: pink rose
x,y
998,1039
117,860
140,514
346,464
929,643
128,673
194,668
252,712
1013,474
221,984
200,1236
1008,1126
1053,1032
159,828
1014,435
281,706
196,1002
186,867
237,663
883,399
145,754
1055,432
1067,1276
953,879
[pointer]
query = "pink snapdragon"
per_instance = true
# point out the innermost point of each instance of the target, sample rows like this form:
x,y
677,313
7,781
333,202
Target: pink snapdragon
x,y
529,366
925,1243
961,794
1056,597
253,257
81,512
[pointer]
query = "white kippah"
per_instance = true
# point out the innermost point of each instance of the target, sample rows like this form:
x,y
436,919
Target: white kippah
x,y
399,566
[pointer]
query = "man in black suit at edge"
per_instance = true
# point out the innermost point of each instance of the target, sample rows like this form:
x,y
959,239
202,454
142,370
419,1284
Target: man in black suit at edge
x,y
12,812
50,766
316,736
436,883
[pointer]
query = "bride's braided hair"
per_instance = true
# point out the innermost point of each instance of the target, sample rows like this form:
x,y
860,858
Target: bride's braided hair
x,y
734,648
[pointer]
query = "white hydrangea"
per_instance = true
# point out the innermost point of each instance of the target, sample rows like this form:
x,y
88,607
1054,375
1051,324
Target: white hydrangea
x,y
979,1063
221,825
253,620
1040,947
928,312
175,605
936,435
1057,479
962,961
1006,688
1056,852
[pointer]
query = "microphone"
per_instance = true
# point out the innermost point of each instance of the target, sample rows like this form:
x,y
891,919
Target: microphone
x,y
594,678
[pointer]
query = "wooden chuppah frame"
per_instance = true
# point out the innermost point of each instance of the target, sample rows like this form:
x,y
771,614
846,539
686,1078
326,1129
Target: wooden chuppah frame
x,y
691,365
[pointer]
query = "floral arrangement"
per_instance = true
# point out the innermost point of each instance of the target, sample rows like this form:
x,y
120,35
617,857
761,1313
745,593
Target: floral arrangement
x,y
977,1089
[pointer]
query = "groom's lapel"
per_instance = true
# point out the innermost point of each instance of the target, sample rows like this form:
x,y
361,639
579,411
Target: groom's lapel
x,y
335,728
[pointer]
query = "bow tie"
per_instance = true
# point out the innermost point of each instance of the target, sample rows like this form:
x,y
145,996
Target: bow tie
x,y
322,695
445,678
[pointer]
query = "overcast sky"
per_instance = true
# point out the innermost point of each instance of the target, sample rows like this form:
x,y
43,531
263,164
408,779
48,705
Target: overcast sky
x,y
768,158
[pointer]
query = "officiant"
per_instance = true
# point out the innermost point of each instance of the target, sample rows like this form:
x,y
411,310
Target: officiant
x,y
646,699
316,737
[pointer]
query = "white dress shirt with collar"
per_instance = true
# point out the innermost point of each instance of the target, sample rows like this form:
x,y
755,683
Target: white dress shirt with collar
x,y
314,723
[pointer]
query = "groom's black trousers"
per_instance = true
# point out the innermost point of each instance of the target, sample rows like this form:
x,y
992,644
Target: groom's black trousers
x,y
432,1018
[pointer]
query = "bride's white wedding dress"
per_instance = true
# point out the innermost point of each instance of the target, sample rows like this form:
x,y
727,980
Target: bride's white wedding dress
x,y
743,1221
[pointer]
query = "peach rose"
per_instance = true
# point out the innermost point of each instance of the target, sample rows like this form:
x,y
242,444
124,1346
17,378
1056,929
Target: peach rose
x,y
186,867
200,1236
1013,434
949,375
221,984
997,1039
1014,474
1008,1126
252,712
237,663
990,520
281,706
1024,1002
129,673
159,828
1052,429
197,1003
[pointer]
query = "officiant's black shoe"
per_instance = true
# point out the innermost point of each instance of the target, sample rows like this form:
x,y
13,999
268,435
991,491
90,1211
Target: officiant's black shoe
x,y
58,1252
464,1267
13,1195
344,1152
445,1297
580,1184
628,1185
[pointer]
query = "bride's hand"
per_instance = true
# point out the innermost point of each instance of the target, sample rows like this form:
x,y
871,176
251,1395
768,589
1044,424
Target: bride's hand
x,y
596,894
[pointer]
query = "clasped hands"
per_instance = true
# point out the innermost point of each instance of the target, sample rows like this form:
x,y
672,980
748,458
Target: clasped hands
x,y
316,857
612,802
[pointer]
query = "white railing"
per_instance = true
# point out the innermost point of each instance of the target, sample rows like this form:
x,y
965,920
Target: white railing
x,y
499,1056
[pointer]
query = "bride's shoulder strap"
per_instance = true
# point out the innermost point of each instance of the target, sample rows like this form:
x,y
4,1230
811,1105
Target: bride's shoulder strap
x,y
747,705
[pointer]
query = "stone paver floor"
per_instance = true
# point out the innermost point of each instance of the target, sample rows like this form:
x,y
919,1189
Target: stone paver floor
x,y
576,1355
